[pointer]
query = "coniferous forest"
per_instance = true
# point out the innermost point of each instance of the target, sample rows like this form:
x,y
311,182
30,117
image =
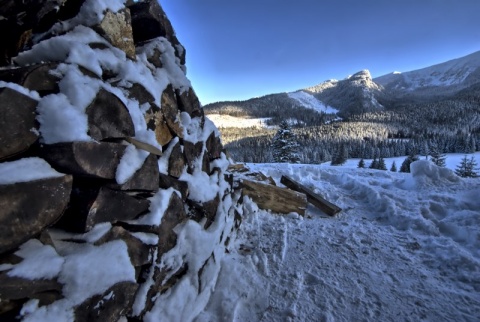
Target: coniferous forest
x,y
445,126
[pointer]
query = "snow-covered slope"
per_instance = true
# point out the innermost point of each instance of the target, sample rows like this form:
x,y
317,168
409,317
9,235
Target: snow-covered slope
x,y
404,248
309,101
460,73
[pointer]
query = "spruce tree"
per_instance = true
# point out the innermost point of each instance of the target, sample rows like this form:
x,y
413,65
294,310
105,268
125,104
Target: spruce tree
x,y
437,157
381,164
467,168
374,164
405,167
340,156
361,164
393,168
285,146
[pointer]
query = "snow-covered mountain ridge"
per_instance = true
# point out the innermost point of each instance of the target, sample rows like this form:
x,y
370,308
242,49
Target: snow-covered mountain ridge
x,y
361,92
460,73
357,92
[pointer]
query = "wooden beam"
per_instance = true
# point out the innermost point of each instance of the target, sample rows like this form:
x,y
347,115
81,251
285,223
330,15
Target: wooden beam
x,y
314,198
238,167
277,199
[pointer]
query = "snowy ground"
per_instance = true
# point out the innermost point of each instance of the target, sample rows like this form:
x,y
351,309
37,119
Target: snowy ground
x,y
239,122
406,247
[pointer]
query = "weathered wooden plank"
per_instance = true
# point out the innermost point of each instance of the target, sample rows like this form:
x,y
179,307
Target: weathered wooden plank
x,y
238,167
314,198
144,146
277,199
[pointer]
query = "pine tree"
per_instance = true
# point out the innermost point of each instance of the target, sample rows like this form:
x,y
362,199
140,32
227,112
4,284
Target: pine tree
x,y
437,157
285,145
393,168
405,167
340,156
467,168
361,163
374,164
381,164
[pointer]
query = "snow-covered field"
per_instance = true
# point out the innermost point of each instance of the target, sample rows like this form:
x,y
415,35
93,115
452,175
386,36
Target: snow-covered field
x,y
240,122
307,100
406,247
452,160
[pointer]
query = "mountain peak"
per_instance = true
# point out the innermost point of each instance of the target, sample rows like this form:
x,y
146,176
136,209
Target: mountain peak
x,y
363,79
363,74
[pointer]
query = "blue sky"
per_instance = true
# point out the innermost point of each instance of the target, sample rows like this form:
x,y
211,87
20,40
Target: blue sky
x,y
239,49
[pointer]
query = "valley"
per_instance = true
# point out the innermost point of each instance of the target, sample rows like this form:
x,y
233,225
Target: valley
x,y
437,107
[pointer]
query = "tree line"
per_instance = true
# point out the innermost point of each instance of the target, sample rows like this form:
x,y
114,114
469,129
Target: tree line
x,y
447,126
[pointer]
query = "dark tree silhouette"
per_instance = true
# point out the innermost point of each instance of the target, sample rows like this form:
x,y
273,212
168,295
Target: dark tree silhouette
x,y
405,167
285,145
393,168
361,164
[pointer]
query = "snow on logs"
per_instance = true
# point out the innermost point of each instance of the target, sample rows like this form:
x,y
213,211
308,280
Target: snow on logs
x,y
112,182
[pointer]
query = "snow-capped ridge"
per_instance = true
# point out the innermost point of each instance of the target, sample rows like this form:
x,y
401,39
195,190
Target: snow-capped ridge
x,y
357,91
453,73
363,74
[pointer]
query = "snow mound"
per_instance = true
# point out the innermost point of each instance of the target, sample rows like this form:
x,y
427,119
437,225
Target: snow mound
x,y
425,173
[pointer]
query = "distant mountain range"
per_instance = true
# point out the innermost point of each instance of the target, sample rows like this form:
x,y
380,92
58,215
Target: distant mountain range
x,y
360,93
438,80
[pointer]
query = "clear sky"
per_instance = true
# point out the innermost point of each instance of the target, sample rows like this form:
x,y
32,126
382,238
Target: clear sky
x,y
239,49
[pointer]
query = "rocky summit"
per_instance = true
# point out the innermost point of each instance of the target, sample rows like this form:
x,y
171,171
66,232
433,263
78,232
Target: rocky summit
x,y
115,203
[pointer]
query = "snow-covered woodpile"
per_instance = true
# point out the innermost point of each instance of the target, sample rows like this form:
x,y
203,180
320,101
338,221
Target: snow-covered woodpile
x,y
114,198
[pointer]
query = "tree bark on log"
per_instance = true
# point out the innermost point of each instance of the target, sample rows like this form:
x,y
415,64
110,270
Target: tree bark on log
x,y
312,197
276,199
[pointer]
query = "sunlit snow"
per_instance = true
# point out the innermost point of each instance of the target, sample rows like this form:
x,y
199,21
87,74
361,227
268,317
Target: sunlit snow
x,y
309,101
231,121
404,248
